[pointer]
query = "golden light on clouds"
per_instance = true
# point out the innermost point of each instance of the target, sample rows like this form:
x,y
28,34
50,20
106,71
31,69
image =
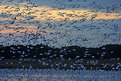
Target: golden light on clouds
x,y
51,14
24,29
31,31
45,13
7,31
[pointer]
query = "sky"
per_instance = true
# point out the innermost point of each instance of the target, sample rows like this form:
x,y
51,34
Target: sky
x,y
86,23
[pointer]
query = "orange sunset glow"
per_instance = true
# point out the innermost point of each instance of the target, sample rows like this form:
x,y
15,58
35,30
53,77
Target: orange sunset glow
x,y
50,14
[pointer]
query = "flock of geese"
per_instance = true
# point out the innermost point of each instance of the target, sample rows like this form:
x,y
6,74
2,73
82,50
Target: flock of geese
x,y
61,24
25,22
58,75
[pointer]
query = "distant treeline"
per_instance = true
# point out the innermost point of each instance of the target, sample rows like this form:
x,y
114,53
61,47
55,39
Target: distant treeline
x,y
70,52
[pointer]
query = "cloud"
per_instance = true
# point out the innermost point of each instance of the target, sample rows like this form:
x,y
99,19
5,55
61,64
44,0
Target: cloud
x,y
52,14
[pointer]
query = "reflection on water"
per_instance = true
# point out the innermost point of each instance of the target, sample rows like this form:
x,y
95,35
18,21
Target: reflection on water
x,y
59,75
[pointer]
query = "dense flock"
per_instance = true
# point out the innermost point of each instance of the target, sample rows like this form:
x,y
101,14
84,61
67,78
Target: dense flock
x,y
60,23
58,75
62,35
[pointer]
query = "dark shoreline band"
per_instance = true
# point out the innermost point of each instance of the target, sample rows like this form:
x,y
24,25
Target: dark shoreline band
x,y
107,57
